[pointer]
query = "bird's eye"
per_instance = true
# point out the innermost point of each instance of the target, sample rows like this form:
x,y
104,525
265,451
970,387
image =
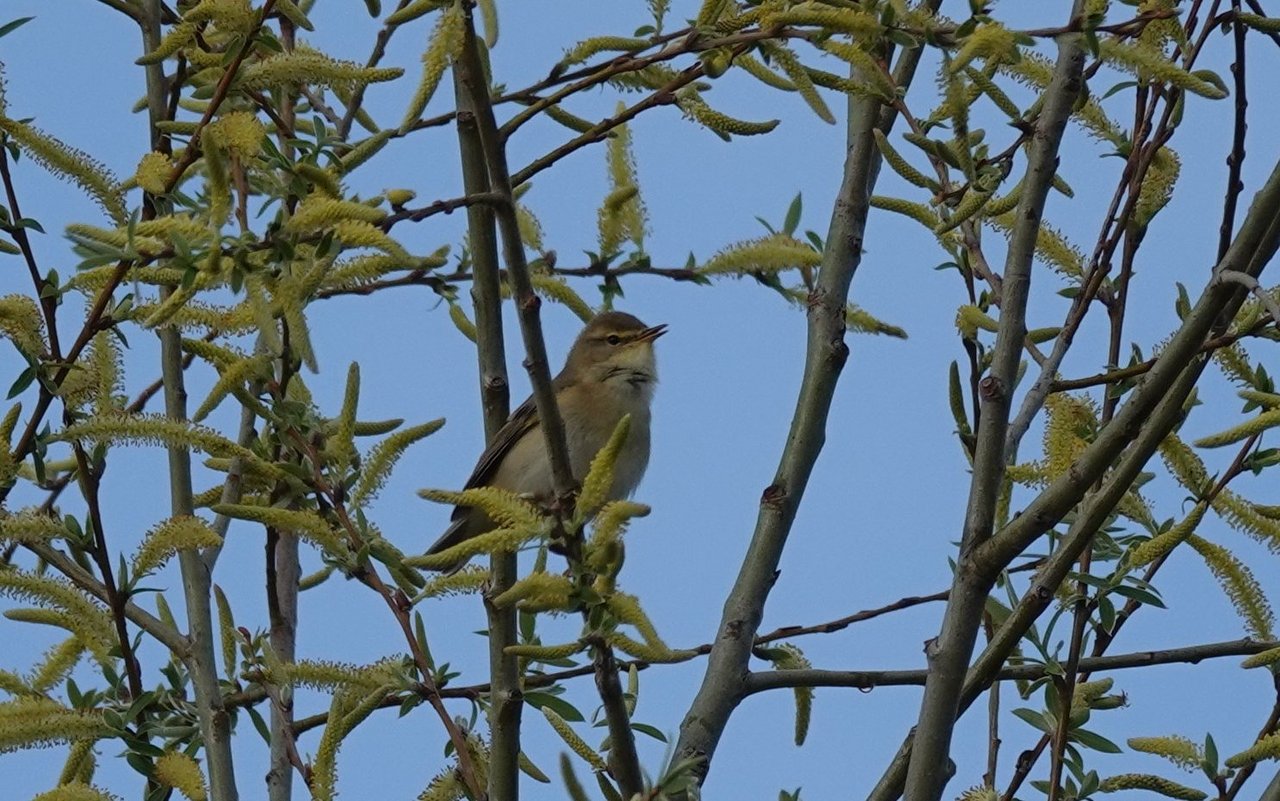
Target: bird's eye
x,y
613,339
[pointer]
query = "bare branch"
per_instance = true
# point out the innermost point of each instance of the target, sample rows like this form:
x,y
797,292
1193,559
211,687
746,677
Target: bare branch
x,y
527,302
949,652
215,724
871,679
506,699
1250,283
724,681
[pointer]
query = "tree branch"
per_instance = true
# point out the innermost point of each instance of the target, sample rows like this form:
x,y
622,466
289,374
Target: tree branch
x,y
624,763
168,636
949,653
215,724
871,679
825,354
527,302
506,699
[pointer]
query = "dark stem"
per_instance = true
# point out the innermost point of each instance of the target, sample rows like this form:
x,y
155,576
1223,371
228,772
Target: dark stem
x,y
506,698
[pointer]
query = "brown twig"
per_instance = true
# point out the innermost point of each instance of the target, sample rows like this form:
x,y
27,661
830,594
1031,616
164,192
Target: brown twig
x,y
1135,370
332,499
871,679
535,680
526,300
357,96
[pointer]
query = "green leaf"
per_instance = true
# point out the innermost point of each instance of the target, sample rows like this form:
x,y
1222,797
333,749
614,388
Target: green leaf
x,y
1095,741
793,216
260,723
652,731
10,27
1035,718
1120,87
1209,76
560,706
1140,595
23,381
1106,614
1210,762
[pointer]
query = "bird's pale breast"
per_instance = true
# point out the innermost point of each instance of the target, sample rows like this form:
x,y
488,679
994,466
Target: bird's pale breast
x,y
526,468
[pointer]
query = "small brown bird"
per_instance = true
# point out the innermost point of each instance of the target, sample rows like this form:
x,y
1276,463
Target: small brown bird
x,y
611,372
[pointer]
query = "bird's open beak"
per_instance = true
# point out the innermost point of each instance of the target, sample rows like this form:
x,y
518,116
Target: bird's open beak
x,y
650,334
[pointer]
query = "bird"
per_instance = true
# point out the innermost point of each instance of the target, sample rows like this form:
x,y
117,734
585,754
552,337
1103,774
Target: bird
x,y
610,372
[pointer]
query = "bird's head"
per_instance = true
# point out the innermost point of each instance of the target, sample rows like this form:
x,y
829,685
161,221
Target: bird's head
x,y
615,346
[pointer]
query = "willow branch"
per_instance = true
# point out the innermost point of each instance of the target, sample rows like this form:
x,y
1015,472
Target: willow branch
x,y
1151,411
527,302
357,95
1135,370
624,763
601,130
724,683
949,652
283,570
215,723
90,486
506,700
1105,639
1249,253
1050,575
254,694
871,679
1240,125
168,636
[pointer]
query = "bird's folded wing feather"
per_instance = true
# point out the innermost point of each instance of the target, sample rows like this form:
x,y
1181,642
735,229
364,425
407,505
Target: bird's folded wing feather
x,y
522,420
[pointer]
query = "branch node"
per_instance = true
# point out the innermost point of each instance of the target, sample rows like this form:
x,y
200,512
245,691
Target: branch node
x,y
773,496
991,388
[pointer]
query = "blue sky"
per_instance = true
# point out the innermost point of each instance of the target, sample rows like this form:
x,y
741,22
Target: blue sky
x,y
887,497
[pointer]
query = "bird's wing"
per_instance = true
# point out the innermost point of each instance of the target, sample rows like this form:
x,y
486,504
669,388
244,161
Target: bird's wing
x,y
522,420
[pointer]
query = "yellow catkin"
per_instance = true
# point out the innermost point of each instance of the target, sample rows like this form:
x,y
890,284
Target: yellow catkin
x,y
180,533
769,254
721,123
1164,542
1268,657
239,132
571,739
153,173
1266,748
181,772
445,44
1154,784
1177,749
1240,586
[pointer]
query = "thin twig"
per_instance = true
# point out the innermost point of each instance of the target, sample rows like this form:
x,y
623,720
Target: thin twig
x,y
1260,292
215,724
165,634
1106,638
871,679
357,95
1135,370
253,695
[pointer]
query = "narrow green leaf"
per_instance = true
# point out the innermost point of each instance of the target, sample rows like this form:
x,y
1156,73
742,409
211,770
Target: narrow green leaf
x,y
10,27
556,704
